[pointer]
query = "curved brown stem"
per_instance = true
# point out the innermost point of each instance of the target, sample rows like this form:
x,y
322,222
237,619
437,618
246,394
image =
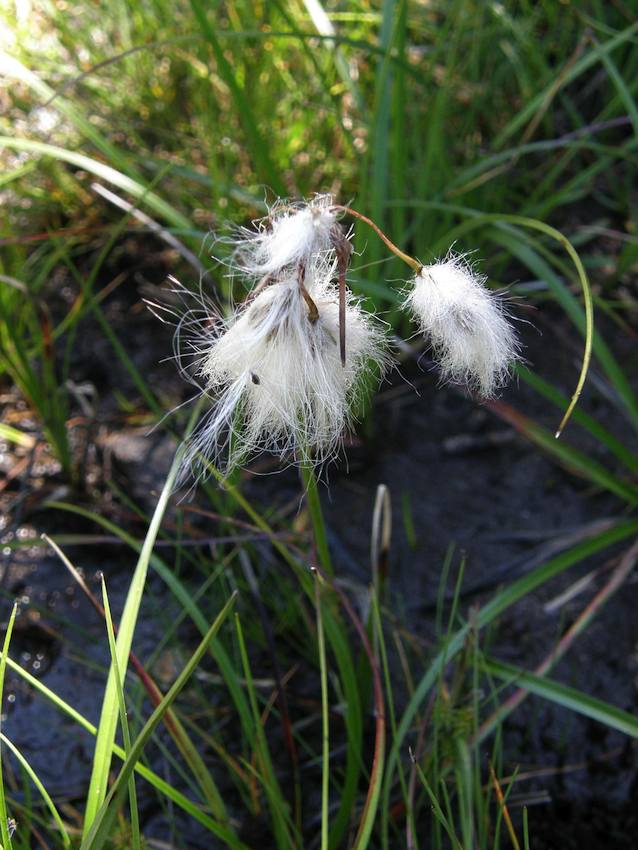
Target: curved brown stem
x,y
411,261
342,311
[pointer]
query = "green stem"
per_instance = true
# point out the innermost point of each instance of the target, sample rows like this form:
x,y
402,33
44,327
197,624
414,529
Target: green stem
x,y
316,514
325,724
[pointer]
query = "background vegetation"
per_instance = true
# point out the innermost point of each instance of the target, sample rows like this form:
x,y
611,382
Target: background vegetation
x,y
131,131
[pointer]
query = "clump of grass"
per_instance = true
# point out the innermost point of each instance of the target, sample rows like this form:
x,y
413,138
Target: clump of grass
x,y
436,740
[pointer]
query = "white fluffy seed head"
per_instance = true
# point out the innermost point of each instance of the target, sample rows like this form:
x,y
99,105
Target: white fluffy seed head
x,y
472,338
289,235
277,378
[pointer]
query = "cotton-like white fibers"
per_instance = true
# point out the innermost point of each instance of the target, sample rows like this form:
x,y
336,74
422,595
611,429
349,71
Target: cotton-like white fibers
x,y
274,372
291,234
276,375
472,339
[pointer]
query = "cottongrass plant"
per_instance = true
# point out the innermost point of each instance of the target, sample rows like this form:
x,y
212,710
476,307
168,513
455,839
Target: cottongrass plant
x,y
287,369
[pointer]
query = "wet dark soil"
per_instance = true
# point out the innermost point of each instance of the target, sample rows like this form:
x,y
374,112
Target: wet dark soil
x,y
461,480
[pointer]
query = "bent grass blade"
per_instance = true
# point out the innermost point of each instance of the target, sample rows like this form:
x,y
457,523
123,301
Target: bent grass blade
x,y
104,172
534,224
41,789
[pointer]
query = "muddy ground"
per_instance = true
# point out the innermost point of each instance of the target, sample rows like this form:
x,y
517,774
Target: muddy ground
x,y
459,476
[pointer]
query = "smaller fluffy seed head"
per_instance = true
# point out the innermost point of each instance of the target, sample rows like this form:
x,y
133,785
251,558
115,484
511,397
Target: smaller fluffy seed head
x,y
289,235
472,339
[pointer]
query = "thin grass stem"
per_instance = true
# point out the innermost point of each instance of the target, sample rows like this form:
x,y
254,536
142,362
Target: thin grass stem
x,y
325,718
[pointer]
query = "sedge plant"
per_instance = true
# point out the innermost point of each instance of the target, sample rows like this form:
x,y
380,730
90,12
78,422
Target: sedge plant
x,y
286,370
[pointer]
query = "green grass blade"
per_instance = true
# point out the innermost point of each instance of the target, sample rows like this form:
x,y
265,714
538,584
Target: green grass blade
x,y
387,677
13,69
583,64
464,790
438,811
184,597
565,696
625,95
104,172
325,718
14,435
126,735
175,727
66,841
379,154
371,807
4,831
338,641
316,515
565,298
